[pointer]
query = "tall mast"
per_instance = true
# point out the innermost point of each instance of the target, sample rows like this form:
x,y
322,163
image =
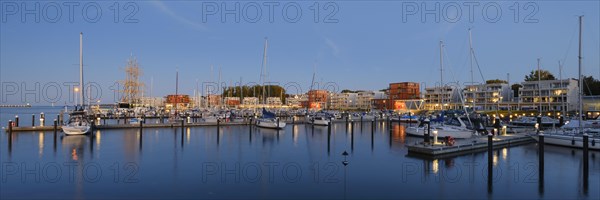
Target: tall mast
x,y
471,63
539,73
312,82
219,89
241,91
176,89
562,100
263,73
580,103
442,90
81,95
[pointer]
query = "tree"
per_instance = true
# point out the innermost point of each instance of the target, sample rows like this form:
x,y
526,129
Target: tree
x,y
591,86
545,75
255,91
496,81
348,91
515,88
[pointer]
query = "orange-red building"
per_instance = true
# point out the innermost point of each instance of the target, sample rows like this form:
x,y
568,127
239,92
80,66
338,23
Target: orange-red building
x,y
379,104
316,99
402,91
232,101
180,101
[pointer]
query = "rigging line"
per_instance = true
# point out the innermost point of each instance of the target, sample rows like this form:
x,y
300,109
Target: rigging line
x,y
477,64
456,84
449,66
596,39
570,45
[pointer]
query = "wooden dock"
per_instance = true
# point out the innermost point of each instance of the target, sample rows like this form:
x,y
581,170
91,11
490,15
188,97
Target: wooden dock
x,y
170,125
465,146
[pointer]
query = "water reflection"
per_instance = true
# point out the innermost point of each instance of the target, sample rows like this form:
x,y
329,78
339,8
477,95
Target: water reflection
x,y
165,163
41,144
75,145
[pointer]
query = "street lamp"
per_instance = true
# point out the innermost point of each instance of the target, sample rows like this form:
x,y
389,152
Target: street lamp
x,y
76,89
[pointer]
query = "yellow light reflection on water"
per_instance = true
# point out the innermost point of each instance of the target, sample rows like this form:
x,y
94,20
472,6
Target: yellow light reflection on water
x,y
187,135
495,159
435,166
41,144
295,135
98,138
504,153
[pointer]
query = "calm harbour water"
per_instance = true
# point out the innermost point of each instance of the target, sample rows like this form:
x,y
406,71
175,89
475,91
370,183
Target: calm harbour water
x,y
249,162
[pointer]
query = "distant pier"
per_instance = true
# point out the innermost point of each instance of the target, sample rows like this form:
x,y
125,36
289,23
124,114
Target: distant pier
x,y
16,106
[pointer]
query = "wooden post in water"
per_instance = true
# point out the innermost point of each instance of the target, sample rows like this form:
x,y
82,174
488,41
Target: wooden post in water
x,y
183,125
351,140
352,126
372,126
55,131
16,120
141,134
541,162
32,120
218,125
10,127
347,123
372,140
389,122
490,161
585,162
328,137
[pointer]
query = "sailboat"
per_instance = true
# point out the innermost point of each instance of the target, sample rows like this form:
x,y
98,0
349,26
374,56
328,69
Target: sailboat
x,y
78,123
573,137
268,119
455,127
319,118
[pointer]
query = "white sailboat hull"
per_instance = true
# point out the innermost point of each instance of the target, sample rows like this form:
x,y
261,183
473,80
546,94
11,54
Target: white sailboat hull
x,y
569,141
76,130
320,122
442,132
270,124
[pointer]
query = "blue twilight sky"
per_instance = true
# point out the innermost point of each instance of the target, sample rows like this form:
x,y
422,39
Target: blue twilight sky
x,y
363,45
